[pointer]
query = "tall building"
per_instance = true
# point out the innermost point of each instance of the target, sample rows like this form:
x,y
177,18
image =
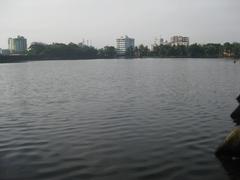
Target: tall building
x,y
17,45
123,44
179,41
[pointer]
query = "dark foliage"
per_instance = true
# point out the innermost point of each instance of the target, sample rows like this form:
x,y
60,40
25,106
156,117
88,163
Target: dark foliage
x,y
107,52
192,51
62,51
73,51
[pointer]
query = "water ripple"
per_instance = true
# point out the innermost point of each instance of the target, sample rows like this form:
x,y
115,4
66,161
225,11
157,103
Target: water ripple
x,y
115,119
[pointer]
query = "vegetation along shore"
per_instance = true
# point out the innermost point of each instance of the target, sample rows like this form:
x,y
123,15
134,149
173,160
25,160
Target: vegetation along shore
x,y
60,51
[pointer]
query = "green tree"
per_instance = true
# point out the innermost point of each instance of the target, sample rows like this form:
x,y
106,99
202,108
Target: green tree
x,y
196,51
143,51
130,52
107,52
236,50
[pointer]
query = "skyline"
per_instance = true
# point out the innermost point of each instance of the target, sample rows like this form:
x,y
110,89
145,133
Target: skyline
x,y
103,22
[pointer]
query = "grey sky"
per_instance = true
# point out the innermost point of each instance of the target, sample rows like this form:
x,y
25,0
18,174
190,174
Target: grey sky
x,y
102,21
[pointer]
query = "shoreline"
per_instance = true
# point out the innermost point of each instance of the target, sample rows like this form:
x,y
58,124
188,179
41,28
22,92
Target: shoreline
x,y
23,59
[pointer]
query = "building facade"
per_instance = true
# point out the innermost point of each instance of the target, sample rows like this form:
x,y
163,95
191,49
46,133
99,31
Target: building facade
x,y
17,45
179,41
123,44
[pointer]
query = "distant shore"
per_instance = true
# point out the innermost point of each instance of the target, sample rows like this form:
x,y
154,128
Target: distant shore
x,y
22,59
71,51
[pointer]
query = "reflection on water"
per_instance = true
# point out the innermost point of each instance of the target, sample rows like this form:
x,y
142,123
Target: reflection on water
x,y
232,168
116,119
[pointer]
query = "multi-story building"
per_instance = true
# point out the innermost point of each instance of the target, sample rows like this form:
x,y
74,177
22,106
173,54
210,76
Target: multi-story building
x,y
179,41
17,45
123,44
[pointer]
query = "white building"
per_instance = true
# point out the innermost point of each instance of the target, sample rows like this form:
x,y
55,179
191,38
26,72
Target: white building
x,y
17,45
123,44
179,41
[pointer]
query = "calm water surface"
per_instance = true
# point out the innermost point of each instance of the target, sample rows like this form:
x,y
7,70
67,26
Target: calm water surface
x,y
116,119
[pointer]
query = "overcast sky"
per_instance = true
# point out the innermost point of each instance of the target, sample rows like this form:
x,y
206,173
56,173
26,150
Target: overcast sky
x,y
102,21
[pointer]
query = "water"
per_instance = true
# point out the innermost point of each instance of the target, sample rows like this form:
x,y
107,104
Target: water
x,y
116,119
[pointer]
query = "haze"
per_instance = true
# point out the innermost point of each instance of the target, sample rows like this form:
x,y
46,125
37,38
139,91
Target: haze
x,y
102,21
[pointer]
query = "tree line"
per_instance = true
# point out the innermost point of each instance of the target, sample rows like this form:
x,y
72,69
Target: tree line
x,y
80,51
69,51
210,50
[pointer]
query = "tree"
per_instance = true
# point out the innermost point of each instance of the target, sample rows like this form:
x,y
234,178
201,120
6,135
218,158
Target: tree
x,y
62,51
107,52
130,52
212,50
196,51
236,50
143,51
